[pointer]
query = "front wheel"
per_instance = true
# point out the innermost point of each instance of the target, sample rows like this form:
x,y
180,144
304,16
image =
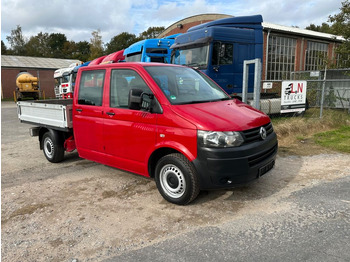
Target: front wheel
x,y
177,179
52,148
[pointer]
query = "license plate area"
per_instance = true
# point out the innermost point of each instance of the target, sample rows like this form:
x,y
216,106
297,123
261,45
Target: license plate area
x,y
266,168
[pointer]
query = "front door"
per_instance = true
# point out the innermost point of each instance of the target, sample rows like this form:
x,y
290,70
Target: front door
x,y
130,135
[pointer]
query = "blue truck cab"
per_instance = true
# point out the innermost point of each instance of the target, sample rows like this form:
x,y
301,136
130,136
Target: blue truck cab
x,y
219,48
150,50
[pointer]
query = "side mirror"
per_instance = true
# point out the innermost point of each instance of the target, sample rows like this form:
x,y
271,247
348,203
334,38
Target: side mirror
x,y
135,99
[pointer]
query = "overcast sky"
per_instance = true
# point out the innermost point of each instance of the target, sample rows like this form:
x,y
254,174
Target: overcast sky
x,y
78,18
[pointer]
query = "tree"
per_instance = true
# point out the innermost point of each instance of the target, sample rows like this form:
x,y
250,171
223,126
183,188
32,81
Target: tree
x,y
3,48
96,45
83,51
152,32
38,45
56,43
120,42
341,26
17,41
324,28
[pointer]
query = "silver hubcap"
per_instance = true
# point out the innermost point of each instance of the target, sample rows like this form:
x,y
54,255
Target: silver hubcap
x,y
172,181
48,147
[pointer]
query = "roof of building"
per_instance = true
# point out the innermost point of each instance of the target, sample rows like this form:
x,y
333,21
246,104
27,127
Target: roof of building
x,y
299,31
35,62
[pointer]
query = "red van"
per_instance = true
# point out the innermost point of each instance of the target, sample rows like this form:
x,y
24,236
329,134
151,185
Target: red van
x,y
168,122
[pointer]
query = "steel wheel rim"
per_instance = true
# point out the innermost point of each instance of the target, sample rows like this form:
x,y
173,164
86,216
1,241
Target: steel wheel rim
x,y
172,181
48,147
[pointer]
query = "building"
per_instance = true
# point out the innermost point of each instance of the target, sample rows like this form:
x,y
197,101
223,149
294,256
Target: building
x,y
43,68
286,49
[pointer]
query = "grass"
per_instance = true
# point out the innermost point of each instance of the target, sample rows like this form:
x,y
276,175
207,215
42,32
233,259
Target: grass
x,y
338,139
306,135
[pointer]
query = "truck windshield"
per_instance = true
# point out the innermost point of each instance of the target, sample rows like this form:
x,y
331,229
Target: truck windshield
x,y
194,57
184,85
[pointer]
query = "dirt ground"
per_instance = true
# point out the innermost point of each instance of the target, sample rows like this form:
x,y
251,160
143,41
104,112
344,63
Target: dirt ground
x,y
79,210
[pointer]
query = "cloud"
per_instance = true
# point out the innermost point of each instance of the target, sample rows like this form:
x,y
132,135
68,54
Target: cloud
x,y
78,18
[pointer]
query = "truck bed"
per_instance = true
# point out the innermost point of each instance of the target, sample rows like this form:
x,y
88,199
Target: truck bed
x,y
55,113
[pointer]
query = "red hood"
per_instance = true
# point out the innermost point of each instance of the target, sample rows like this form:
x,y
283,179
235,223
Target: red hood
x,y
231,115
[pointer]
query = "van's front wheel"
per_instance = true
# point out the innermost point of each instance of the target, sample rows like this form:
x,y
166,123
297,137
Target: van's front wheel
x,y
176,179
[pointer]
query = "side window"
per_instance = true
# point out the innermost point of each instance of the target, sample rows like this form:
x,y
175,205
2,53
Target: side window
x,y
122,80
91,87
222,54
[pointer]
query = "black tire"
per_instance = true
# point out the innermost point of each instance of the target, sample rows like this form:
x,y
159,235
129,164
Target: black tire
x,y
52,147
177,179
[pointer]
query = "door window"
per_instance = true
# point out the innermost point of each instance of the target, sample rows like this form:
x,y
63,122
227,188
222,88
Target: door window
x,y
91,88
122,80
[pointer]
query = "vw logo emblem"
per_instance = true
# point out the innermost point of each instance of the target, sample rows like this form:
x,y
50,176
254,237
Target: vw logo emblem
x,y
262,133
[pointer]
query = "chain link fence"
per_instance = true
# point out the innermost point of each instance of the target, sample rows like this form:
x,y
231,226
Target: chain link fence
x,y
326,89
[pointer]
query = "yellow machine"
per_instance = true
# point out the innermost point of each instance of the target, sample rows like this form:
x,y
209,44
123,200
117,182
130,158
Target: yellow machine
x,y
27,86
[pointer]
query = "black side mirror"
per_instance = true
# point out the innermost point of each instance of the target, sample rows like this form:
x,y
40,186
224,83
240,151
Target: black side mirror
x,y
135,99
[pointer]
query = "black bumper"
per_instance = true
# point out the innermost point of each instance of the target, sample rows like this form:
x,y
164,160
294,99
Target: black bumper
x,y
227,167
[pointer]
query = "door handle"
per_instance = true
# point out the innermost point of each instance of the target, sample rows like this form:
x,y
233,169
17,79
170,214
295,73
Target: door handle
x,y
110,113
79,110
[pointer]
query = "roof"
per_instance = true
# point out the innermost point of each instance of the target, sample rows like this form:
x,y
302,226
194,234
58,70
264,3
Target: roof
x,y
35,62
299,31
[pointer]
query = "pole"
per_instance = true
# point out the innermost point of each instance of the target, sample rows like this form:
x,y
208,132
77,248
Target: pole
x,y
323,90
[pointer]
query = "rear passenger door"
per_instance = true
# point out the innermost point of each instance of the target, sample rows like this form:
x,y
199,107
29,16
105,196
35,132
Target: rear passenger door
x,y
130,134
88,118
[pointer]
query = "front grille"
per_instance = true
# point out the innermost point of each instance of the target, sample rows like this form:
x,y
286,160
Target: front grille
x,y
256,159
253,135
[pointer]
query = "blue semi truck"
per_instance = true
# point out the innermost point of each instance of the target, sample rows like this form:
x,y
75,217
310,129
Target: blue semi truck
x,y
219,48
150,50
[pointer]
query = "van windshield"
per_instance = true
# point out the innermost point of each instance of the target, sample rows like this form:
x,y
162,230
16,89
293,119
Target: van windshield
x,y
184,85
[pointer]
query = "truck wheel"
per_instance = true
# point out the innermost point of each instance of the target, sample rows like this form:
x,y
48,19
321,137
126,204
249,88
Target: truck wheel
x,y
53,150
176,179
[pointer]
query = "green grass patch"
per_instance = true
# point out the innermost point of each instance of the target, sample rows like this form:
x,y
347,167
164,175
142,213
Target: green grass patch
x,y
338,139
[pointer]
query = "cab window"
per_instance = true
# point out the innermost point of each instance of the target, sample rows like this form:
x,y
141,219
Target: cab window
x,y
122,80
91,87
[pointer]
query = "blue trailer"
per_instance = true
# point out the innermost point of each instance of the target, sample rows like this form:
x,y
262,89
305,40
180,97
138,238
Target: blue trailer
x,y
150,50
219,48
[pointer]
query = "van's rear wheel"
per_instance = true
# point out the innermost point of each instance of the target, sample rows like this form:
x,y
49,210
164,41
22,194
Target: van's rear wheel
x,y
52,148
176,179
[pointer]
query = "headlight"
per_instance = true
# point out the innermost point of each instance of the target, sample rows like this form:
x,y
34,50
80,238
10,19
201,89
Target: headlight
x,y
219,139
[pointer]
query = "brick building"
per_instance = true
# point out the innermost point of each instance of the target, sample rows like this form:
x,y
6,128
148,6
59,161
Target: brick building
x,y
43,68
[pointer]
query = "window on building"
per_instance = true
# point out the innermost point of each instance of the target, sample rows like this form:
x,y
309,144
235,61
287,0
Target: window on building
x,y
316,54
281,57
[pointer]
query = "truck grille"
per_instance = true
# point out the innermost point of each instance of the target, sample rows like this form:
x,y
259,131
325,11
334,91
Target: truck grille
x,y
256,159
253,135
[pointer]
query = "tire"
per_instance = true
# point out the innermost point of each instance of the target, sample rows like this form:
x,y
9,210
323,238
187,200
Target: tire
x,y
177,179
52,148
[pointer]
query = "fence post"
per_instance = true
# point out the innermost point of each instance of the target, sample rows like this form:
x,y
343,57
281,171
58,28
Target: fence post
x,y
323,90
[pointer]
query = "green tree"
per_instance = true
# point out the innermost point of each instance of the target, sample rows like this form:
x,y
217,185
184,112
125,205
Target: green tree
x,y
96,45
324,28
152,32
83,51
56,43
341,26
17,41
3,48
120,42
38,45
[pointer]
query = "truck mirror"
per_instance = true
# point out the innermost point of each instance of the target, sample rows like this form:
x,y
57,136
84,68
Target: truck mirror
x,y
135,99
222,50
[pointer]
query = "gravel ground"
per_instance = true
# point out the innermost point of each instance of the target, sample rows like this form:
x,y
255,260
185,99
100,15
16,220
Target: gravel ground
x,y
79,210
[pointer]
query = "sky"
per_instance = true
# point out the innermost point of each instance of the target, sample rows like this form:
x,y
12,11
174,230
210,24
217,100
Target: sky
x,y
78,18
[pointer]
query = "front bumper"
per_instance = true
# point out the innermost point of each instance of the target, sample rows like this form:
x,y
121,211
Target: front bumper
x,y
227,167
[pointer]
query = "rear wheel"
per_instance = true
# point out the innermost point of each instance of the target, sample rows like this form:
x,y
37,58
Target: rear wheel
x,y
52,148
177,179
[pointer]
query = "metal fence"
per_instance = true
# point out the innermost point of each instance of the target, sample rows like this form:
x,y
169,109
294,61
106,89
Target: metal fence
x,y
326,89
